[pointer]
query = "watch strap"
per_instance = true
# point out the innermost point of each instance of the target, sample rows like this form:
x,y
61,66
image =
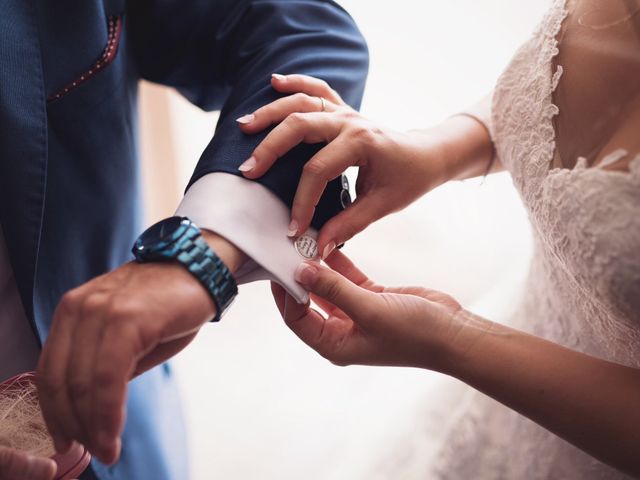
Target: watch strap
x,y
196,255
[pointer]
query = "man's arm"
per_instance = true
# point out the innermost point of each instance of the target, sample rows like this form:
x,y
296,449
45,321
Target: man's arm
x,y
218,54
233,48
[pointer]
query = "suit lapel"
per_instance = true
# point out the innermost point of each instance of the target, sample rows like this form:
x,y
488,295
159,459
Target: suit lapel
x,y
23,141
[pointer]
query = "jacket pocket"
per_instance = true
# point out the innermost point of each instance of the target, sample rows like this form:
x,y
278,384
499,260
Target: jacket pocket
x,y
109,54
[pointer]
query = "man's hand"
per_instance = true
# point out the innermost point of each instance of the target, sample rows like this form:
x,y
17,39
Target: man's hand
x,y
108,331
19,465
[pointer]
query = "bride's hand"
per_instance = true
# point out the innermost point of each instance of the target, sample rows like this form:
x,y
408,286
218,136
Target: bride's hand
x,y
368,324
395,168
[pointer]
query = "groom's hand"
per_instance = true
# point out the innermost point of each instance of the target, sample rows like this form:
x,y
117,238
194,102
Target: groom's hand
x,y
109,330
20,465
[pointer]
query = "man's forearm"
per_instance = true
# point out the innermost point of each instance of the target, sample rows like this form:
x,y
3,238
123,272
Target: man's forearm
x,y
231,255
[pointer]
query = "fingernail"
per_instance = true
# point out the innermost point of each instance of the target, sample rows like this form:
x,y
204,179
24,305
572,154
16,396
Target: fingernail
x,y
293,229
278,76
328,249
246,119
305,273
248,165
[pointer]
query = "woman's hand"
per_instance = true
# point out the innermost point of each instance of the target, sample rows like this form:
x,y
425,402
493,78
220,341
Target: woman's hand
x,y
369,324
395,168
16,465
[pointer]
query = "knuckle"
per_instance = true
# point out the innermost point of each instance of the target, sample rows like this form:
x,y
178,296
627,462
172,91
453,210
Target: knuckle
x,y
120,310
366,135
296,120
314,168
92,305
324,86
300,98
69,302
331,289
350,115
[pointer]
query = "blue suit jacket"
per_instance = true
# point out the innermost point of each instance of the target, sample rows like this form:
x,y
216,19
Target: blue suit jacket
x,y
69,176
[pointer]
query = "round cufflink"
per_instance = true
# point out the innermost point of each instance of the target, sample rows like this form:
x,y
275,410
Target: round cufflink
x,y
307,247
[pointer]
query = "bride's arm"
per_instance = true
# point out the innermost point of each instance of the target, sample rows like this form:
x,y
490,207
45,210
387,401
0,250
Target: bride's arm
x,y
589,402
395,168
592,403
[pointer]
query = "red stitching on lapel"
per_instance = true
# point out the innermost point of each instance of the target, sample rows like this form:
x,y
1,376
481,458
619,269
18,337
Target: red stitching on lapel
x,y
108,54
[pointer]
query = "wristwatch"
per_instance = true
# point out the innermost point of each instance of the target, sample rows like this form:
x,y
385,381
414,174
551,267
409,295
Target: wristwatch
x,y
179,239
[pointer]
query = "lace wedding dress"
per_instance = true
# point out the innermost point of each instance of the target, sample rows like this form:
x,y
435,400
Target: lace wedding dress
x,y
565,121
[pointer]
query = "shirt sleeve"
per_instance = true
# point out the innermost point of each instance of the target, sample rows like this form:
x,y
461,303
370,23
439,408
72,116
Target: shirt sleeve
x,y
255,220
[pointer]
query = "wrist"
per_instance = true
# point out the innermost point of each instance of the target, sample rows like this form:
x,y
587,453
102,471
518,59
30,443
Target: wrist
x,y
231,255
462,147
461,347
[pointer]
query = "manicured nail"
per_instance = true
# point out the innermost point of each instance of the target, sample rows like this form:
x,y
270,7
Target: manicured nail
x,y
293,229
246,119
328,249
248,165
280,77
305,273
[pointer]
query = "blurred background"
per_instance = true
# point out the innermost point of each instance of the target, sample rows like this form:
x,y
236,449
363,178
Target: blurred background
x,y
259,404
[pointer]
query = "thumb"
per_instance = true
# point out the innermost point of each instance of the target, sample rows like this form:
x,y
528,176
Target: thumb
x,y
15,464
348,223
333,287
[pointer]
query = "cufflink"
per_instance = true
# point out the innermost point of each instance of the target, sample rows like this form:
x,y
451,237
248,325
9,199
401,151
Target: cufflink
x,y
307,247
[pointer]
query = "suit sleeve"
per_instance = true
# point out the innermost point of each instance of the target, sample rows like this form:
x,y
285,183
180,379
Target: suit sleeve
x,y
221,54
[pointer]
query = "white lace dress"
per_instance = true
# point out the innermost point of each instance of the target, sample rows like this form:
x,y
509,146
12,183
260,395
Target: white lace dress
x,y
583,289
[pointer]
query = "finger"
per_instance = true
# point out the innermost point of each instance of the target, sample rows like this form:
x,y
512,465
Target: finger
x,y
278,295
295,129
335,289
339,262
86,339
114,366
52,373
349,222
330,337
324,305
277,111
314,87
19,465
327,164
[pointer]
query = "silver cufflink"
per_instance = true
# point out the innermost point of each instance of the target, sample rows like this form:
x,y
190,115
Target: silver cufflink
x,y
307,247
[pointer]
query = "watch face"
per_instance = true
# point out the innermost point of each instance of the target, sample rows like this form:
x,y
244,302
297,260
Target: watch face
x,y
159,236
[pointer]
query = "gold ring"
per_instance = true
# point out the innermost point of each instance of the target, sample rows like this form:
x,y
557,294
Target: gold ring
x,y
324,104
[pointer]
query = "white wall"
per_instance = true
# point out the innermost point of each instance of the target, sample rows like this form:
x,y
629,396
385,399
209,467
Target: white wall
x,y
262,405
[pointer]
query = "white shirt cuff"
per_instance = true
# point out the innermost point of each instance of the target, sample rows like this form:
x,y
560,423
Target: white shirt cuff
x,y
255,220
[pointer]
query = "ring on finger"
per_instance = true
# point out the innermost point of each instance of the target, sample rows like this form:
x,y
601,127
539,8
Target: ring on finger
x,y
323,104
